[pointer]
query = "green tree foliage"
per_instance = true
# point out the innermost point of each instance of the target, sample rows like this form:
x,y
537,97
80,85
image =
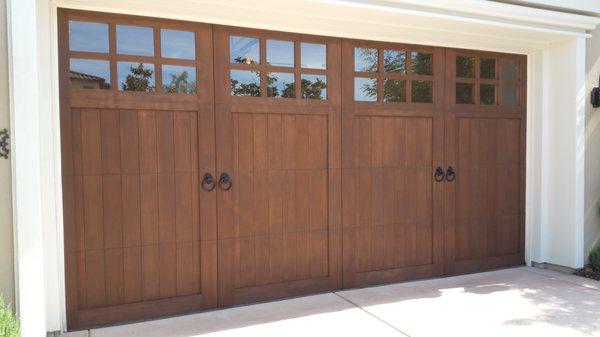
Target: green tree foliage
x,y
421,64
181,84
138,79
313,89
289,89
245,89
9,324
595,258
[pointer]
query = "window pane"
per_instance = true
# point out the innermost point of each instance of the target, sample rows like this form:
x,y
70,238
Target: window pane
x,y
394,90
510,70
394,61
510,95
487,94
365,89
365,59
132,40
88,36
89,74
245,83
314,86
280,53
179,79
178,44
422,63
465,66
487,68
244,50
136,76
281,85
422,91
313,55
464,93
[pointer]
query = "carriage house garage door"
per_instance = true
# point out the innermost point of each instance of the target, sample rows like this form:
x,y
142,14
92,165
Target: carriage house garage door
x,y
207,166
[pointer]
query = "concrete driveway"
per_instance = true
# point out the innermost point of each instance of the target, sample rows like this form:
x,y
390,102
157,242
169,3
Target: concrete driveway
x,y
512,302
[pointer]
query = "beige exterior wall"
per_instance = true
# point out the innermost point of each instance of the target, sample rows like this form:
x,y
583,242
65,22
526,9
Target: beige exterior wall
x,y
592,145
6,234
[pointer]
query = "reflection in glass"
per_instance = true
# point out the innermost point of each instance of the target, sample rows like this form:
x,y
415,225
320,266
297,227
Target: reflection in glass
x,y
487,94
365,89
314,86
280,53
394,61
510,95
244,50
487,68
313,55
422,91
281,85
510,70
88,36
464,93
422,63
245,83
136,76
89,74
465,66
365,59
394,90
179,79
178,44
133,40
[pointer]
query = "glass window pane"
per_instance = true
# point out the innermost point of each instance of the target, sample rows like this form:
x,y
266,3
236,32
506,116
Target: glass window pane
x,y
136,76
510,70
245,83
313,55
132,40
244,50
394,61
465,66
394,90
422,91
178,44
314,86
487,68
89,74
281,85
280,53
510,95
365,89
88,36
179,79
422,63
465,93
365,59
487,94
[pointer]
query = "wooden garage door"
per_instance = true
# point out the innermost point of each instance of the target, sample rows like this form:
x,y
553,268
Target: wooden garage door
x,y
392,142
278,137
137,134
485,145
209,166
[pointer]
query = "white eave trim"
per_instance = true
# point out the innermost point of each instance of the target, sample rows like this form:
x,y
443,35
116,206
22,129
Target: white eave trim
x,y
504,11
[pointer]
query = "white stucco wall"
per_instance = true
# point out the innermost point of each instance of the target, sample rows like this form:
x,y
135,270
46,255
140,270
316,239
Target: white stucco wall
x,y
6,233
592,145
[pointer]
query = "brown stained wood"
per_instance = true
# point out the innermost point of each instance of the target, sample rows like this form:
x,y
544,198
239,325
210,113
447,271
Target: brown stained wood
x,y
132,166
275,224
325,193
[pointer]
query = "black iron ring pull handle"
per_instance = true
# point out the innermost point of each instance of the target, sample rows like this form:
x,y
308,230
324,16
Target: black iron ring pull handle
x,y
450,174
208,183
224,181
439,174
